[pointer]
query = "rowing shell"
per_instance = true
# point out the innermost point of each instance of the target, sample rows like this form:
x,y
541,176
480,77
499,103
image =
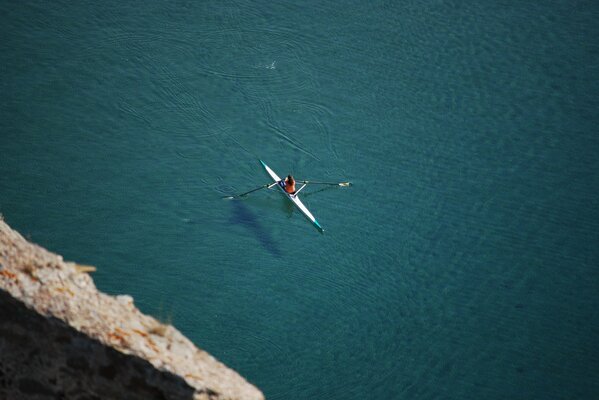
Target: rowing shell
x,y
294,198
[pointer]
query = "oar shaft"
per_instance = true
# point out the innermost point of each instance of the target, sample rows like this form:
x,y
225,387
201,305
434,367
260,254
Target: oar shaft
x,y
326,183
251,191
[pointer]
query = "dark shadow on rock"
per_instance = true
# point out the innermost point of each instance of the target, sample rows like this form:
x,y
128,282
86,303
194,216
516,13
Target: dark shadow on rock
x,y
44,358
242,215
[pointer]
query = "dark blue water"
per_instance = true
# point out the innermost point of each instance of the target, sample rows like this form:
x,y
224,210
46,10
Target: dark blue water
x,y
462,264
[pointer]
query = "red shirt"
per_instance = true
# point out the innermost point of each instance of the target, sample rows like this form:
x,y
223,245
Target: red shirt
x,y
289,186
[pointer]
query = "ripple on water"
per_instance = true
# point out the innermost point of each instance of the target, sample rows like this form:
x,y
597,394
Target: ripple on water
x,y
268,64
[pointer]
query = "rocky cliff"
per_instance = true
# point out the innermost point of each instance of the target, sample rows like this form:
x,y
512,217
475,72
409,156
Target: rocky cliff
x,y
60,338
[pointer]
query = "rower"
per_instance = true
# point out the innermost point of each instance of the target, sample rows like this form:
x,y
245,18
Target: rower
x,y
289,184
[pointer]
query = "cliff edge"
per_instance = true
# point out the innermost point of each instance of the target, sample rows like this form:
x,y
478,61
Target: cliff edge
x,y
60,338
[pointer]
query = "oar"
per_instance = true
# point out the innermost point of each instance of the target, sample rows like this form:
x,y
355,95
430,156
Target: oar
x,y
253,190
327,183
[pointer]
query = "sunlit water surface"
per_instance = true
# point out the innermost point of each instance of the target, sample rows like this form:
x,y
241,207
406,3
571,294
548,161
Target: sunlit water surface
x,y
462,264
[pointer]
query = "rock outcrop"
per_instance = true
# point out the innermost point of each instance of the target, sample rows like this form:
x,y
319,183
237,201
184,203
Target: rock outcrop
x,y
60,338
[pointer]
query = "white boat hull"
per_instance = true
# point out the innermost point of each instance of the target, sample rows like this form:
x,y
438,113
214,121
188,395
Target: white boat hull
x,y
294,198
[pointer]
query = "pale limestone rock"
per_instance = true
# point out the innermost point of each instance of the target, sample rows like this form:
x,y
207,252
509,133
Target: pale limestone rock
x,y
104,344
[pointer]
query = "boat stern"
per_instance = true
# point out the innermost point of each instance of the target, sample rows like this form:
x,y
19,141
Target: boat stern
x,y
320,228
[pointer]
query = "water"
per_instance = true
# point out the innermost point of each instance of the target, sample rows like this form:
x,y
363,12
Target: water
x,y
462,264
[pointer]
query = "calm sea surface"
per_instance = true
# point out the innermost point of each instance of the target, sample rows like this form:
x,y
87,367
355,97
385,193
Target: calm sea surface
x,y
462,264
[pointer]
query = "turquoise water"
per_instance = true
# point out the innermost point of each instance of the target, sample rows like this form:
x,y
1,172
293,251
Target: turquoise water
x,y
462,264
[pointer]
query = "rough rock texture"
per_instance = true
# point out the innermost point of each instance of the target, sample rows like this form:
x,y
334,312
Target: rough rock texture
x,y
60,338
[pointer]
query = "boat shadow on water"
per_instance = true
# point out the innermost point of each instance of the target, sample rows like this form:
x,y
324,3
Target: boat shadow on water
x,y
242,215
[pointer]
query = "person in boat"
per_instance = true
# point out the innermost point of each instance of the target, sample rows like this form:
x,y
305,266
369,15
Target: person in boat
x,y
289,184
